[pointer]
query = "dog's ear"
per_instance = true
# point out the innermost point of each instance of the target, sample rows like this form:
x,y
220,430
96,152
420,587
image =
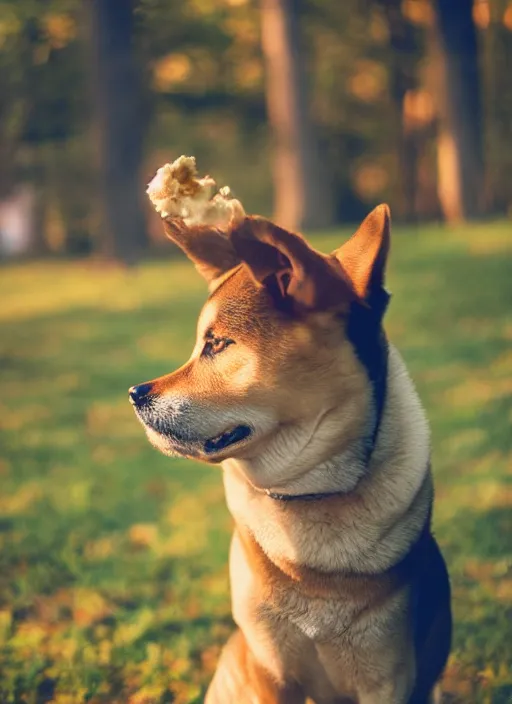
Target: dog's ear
x,y
364,256
293,271
209,248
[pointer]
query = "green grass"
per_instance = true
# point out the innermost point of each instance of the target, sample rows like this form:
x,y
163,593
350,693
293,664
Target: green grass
x,y
113,574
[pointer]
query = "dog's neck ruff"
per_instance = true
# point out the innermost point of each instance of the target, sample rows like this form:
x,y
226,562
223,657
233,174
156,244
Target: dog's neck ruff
x,y
365,331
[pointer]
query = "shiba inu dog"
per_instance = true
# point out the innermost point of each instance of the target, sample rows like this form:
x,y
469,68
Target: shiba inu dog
x,y
339,590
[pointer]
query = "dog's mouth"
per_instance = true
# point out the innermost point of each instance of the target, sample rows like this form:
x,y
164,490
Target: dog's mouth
x,y
194,446
227,439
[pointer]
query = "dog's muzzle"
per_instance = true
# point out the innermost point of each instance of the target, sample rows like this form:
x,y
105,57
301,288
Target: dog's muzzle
x,y
175,423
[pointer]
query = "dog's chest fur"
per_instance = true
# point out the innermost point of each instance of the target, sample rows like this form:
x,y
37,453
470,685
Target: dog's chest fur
x,y
325,632
335,631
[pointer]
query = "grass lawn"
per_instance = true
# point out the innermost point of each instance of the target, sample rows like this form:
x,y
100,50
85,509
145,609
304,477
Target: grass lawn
x,y
113,558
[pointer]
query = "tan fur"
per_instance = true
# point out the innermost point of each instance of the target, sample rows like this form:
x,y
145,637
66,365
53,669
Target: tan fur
x,y
323,591
290,561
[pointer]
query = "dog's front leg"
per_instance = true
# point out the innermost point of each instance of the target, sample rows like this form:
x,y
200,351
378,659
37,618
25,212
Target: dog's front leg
x,y
240,679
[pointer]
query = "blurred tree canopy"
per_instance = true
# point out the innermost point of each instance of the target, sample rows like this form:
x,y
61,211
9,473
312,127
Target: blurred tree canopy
x,y
384,110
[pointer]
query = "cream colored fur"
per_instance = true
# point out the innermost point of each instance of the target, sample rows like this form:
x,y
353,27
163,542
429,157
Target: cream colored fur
x,y
335,650
395,489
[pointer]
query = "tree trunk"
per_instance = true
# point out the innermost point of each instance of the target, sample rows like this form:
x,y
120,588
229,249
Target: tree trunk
x,y
301,190
460,152
402,70
118,128
497,60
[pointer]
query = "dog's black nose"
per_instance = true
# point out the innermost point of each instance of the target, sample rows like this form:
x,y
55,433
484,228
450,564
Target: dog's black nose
x,y
139,394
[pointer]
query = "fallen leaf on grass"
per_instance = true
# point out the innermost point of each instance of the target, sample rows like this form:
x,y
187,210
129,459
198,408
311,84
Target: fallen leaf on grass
x,y
504,590
5,623
22,499
89,607
143,534
150,694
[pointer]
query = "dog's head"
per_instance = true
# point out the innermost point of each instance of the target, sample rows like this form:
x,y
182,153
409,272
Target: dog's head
x,y
282,365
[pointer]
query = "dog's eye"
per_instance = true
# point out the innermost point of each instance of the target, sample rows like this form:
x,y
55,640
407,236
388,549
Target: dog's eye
x,y
215,345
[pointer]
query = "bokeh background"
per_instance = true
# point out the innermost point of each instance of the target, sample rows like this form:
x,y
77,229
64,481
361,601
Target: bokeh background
x,y
113,558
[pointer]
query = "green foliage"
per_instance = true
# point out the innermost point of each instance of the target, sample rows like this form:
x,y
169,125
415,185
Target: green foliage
x,y
44,67
203,73
44,113
113,575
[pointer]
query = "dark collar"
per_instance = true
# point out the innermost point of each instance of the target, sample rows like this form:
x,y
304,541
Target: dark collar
x,y
365,331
